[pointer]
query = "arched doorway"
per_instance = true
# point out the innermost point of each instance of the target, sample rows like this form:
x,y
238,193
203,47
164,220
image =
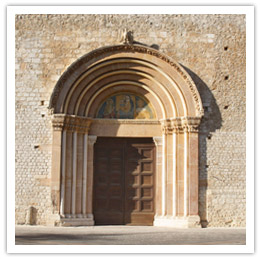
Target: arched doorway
x,y
136,93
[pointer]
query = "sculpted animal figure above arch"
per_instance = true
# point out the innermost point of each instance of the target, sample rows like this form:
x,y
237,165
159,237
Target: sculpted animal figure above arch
x,y
127,37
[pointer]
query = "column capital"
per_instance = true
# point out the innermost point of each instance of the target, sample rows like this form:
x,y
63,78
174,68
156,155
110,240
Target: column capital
x,y
190,124
71,123
167,127
180,124
177,125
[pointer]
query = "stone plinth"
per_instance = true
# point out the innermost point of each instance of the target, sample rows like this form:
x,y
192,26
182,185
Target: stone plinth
x,y
178,222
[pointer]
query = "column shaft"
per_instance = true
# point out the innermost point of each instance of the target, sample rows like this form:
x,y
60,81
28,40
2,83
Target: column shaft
x,y
169,175
56,170
84,182
174,175
63,172
185,177
164,179
159,161
74,175
193,174
90,171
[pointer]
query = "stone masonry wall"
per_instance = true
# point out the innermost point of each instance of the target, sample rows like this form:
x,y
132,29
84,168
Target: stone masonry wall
x,y
210,47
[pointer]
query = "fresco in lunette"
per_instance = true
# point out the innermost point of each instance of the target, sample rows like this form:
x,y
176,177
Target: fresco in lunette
x,y
125,106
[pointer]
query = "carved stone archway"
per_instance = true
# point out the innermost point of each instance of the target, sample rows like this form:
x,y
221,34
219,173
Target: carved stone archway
x,y
172,95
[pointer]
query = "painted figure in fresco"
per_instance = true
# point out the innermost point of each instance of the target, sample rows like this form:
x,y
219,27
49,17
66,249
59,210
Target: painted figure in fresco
x,y
109,111
125,108
141,111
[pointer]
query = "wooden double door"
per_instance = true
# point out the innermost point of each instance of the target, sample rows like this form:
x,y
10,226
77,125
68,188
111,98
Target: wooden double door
x,y
124,181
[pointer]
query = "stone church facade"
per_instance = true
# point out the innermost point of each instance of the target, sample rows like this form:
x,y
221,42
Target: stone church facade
x,y
131,120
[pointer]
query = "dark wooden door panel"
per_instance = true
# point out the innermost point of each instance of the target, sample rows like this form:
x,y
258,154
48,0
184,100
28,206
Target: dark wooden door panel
x,y
108,203
124,181
140,207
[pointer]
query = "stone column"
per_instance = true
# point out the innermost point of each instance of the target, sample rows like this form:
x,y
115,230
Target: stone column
x,y
166,181
69,165
159,160
164,175
190,126
193,177
174,148
185,174
74,175
181,151
84,180
57,123
189,129
56,169
63,173
90,170
170,175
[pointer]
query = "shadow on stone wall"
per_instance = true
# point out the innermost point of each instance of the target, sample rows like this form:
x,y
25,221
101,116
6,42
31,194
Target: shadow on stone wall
x,y
153,46
210,122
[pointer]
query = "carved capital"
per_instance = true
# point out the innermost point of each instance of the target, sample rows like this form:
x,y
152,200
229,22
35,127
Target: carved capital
x,y
58,122
177,125
71,123
167,127
180,125
190,124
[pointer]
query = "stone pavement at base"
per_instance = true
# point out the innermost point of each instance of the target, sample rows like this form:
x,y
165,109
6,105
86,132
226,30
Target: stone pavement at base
x,y
127,235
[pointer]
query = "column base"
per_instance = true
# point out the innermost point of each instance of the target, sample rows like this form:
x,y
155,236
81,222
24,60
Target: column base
x,y
177,222
86,220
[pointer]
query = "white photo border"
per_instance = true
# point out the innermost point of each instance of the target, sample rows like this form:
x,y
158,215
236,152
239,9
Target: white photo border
x,y
13,10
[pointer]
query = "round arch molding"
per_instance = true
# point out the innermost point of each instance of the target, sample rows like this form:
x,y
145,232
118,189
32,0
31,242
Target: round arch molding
x,y
137,72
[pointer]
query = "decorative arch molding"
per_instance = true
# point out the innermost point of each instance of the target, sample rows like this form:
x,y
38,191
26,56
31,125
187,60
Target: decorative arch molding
x,y
178,110
138,59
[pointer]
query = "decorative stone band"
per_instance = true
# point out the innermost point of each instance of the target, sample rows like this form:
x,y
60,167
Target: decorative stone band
x,y
126,121
179,125
71,123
